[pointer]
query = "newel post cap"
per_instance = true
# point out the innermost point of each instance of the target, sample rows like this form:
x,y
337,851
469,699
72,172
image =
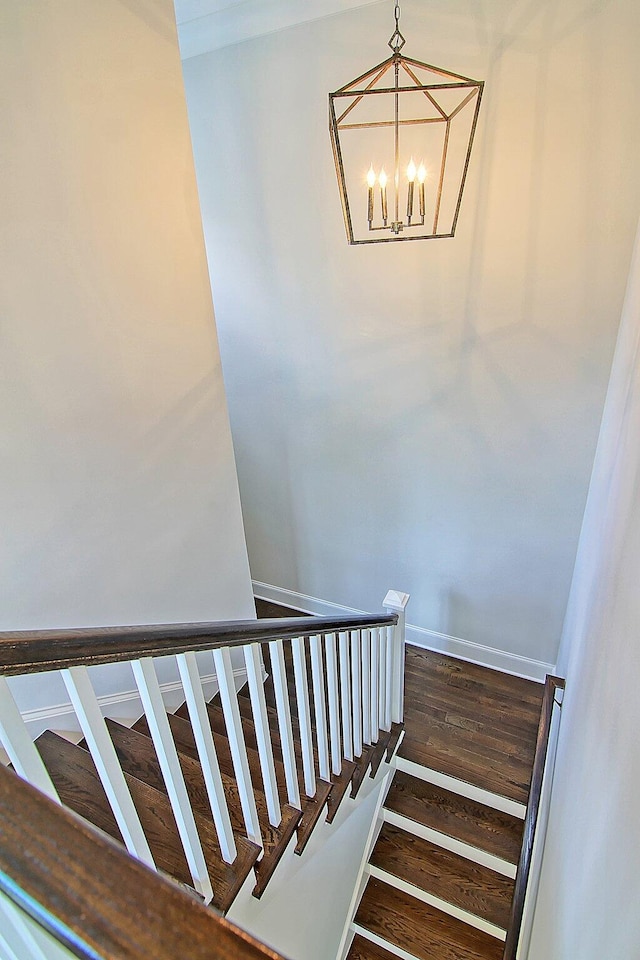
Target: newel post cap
x,y
395,600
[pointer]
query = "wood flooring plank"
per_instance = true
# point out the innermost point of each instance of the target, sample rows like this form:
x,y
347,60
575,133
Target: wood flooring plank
x,y
446,875
491,733
491,722
363,949
420,929
453,815
418,660
472,723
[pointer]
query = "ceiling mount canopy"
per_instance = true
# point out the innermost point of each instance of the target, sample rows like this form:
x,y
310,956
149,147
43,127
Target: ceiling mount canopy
x,y
402,135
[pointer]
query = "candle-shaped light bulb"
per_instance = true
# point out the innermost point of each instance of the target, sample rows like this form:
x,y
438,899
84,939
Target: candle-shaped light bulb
x,y
382,180
422,176
371,181
411,176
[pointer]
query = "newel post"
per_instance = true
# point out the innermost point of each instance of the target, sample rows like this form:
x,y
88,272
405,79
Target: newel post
x,y
395,602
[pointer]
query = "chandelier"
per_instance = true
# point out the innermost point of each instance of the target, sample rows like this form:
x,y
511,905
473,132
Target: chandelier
x,y
402,135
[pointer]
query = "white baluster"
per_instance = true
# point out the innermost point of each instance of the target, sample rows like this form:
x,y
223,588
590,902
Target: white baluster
x,y
396,602
22,751
14,920
197,706
151,696
279,676
304,714
382,682
237,746
85,703
356,691
253,662
388,693
334,714
375,676
320,710
365,638
345,696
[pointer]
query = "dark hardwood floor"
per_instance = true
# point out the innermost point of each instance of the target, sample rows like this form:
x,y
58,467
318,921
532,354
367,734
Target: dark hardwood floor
x,y
470,722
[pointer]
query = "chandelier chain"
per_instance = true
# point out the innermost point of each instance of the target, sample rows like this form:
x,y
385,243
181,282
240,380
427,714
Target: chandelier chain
x,y
397,41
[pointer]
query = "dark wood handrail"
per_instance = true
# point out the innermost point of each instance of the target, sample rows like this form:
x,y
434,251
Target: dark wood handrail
x,y
94,898
36,651
531,817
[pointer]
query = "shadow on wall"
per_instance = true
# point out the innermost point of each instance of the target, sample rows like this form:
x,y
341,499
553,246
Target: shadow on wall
x,y
423,414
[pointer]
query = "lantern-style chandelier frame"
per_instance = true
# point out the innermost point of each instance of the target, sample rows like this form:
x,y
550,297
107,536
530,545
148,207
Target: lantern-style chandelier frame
x,y
423,124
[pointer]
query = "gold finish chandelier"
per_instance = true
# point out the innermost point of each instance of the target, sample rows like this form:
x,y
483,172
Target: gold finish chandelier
x,y
402,148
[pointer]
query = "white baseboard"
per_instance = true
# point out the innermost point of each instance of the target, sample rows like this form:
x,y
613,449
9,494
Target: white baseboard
x,y
124,705
501,660
300,601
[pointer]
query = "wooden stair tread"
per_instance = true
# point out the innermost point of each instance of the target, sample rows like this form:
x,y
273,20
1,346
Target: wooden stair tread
x,y
446,756
75,777
361,770
422,930
312,807
446,875
332,792
138,758
246,712
453,815
363,949
379,750
275,840
341,785
187,750
311,812
396,732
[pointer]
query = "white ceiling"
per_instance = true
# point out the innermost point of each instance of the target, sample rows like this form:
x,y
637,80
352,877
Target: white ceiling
x,y
205,25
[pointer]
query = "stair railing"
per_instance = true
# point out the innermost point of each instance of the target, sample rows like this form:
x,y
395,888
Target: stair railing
x,y
80,887
516,943
355,690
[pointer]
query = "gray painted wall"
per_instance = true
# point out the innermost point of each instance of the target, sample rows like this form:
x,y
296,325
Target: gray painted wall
x,y
590,884
424,415
119,500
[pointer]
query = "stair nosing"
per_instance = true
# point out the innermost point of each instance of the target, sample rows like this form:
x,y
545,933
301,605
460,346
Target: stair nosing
x,y
449,842
381,942
462,788
465,916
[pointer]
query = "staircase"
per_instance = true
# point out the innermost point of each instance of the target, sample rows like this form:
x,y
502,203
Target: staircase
x,y
214,794
216,791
